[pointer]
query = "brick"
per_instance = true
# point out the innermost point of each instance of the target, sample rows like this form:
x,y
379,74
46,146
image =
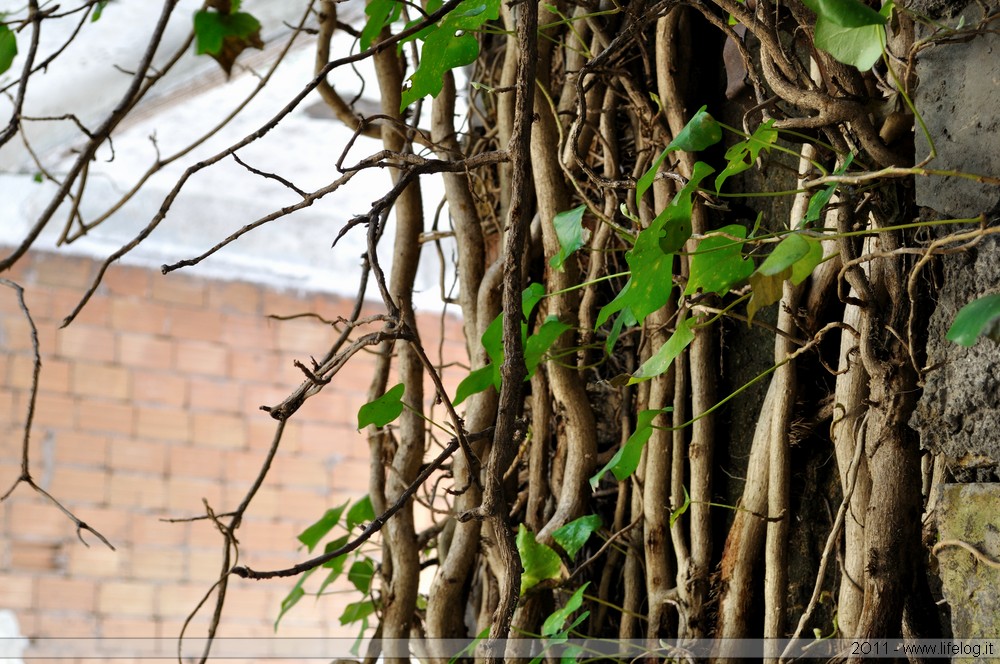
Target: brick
x,y
256,395
36,521
177,289
144,627
16,591
246,331
190,461
204,565
219,430
123,281
126,598
35,556
351,475
97,311
82,342
100,380
65,594
159,388
76,624
214,394
200,324
113,522
171,424
143,316
301,501
54,376
79,485
76,448
235,296
61,270
140,456
184,496
15,334
199,357
137,491
305,337
51,410
253,365
179,599
94,562
151,532
145,350
298,471
105,417
159,564
283,303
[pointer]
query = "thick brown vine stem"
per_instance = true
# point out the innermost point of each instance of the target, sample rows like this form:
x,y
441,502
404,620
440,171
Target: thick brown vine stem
x,y
513,370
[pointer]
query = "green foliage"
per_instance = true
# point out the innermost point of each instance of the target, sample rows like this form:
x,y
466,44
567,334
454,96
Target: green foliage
x,y
8,48
539,561
557,620
450,44
572,536
981,317
297,593
312,535
211,28
701,131
850,31
356,611
380,14
743,155
570,233
718,263
360,512
626,460
821,198
660,361
794,259
98,10
679,512
383,410
361,574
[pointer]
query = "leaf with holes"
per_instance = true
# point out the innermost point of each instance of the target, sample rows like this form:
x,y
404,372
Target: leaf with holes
x,y
572,536
570,233
539,561
718,263
980,317
312,535
383,410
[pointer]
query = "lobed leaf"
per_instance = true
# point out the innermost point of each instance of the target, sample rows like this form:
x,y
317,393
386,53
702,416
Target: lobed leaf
x,y
383,410
718,263
312,535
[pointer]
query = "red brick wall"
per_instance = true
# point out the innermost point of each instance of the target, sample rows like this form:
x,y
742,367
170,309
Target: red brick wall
x,y
148,403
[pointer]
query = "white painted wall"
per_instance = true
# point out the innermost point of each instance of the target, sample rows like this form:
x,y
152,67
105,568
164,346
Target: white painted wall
x,y
293,252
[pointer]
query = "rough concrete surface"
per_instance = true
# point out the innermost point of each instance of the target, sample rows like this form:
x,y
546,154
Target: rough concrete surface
x,y
958,98
970,513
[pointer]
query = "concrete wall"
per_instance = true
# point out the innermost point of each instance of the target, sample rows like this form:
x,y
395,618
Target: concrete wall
x,y
149,403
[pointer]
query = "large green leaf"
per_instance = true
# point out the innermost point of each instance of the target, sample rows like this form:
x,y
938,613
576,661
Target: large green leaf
x,y
453,44
357,611
539,561
718,263
541,341
570,233
850,31
211,29
572,536
794,258
380,13
361,574
312,535
980,317
383,410
477,381
845,13
626,460
293,597
360,512
8,48
701,131
660,361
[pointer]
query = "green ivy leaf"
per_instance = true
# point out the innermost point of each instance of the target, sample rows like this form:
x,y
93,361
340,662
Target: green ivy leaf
x,y
333,545
570,233
660,361
360,512
98,11
451,45
743,155
981,317
336,567
539,561
794,258
297,593
383,410
539,343
718,263
211,28
701,131
677,513
356,611
554,623
380,13
477,381
850,31
312,535
626,460
572,536
8,48
821,198
361,574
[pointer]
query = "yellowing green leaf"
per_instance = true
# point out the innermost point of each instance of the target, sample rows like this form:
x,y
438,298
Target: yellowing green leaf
x,y
539,561
718,263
